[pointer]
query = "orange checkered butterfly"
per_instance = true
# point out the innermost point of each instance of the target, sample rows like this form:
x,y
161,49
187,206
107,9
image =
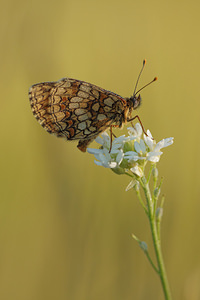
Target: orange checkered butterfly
x,y
78,110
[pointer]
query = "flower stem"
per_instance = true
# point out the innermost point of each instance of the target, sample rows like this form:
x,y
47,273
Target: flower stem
x,y
156,240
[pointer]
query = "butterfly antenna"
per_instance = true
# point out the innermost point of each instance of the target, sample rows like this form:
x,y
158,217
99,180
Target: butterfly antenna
x,y
144,63
156,78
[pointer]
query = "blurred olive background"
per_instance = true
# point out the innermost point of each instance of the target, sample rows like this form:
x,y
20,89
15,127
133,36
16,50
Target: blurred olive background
x,y
65,223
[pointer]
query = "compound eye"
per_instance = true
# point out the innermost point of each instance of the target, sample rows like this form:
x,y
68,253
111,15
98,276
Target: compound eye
x,y
137,101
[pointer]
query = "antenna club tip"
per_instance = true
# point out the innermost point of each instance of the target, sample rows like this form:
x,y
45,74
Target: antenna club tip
x,y
144,62
156,78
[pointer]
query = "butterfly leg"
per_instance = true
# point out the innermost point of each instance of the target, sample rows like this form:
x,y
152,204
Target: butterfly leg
x,y
111,135
137,117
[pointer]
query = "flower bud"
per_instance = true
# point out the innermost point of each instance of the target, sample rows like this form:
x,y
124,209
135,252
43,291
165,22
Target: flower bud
x,y
156,192
130,185
155,172
159,213
137,170
118,170
137,186
143,246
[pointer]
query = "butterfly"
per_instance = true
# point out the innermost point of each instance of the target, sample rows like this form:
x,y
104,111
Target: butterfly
x,y
78,110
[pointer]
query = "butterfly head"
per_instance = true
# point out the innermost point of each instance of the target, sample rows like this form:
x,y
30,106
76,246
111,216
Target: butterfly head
x,y
135,101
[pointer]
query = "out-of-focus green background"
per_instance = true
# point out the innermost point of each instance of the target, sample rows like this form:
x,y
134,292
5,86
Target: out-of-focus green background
x,y
65,223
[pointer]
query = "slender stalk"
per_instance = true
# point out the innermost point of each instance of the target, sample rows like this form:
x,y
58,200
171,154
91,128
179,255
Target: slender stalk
x,y
151,262
140,199
156,241
145,249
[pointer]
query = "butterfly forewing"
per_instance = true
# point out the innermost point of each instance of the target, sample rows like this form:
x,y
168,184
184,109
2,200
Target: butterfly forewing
x,y
75,109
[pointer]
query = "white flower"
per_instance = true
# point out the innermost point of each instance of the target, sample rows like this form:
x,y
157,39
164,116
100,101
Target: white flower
x,y
103,158
108,159
104,141
129,153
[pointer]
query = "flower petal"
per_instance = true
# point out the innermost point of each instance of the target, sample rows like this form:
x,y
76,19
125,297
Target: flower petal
x,y
137,147
98,163
139,130
154,159
93,150
153,153
120,139
149,141
131,155
119,157
164,143
135,131
154,156
142,146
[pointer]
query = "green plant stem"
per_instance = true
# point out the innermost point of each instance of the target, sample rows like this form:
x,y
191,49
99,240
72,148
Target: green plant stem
x,y
156,240
141,201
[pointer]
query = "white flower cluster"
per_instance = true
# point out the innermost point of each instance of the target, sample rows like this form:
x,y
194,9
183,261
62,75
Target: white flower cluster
x,y
129,153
